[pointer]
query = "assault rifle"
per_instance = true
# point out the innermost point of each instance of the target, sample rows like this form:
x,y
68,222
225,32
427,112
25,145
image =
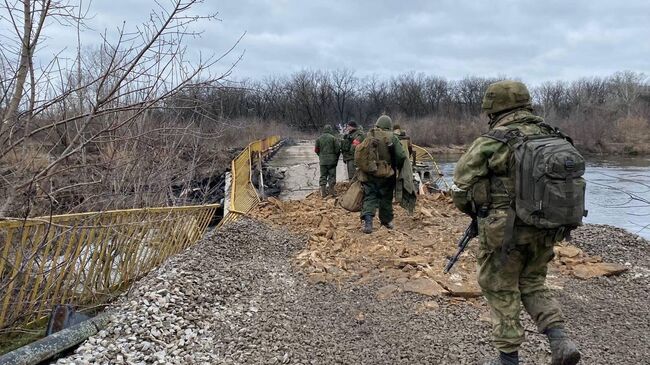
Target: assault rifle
x,y
470,232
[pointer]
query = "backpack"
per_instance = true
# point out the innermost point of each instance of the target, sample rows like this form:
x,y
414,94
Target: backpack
x,y
549,187
373,155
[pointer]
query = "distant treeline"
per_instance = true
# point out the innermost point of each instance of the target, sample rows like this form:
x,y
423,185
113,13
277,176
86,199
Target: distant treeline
x,y
599,112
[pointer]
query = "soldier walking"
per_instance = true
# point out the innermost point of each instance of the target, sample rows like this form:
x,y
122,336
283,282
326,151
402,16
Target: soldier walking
x,y
351,139
379,181
513,255
405,140
328,149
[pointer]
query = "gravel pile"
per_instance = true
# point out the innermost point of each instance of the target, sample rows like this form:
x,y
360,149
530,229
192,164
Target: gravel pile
x,y
236,299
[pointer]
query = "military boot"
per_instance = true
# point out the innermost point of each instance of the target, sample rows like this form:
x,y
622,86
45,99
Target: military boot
x,y
389,225
367,224
503,359
323,191
332,190
563,350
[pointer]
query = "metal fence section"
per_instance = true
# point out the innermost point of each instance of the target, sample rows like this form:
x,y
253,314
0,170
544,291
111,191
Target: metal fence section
x,y
244,196
423,156
83,258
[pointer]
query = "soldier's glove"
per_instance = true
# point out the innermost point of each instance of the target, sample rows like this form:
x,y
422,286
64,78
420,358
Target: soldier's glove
x,y
461,200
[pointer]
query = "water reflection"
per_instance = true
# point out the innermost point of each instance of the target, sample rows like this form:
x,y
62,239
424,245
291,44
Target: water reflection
x,y
618,190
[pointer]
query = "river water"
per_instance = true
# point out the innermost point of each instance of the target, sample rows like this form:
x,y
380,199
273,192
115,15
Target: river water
x,y
618,190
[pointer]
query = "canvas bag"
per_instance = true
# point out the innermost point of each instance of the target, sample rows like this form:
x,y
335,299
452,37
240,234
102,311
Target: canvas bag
x,y
352,199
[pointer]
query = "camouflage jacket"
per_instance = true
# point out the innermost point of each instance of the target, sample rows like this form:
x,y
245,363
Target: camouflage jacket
x,y
348,144
485,170
328,148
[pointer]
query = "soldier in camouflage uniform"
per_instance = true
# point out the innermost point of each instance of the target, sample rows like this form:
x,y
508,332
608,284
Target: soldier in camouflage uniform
x,y
328,149
352,138
378,191
406,141
514,274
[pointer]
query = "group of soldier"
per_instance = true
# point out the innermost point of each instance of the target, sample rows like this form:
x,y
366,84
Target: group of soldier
x,y
509,275
378,191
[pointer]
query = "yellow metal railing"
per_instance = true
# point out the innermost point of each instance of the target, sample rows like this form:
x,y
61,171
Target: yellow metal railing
x,y
243,195
82,258
422,155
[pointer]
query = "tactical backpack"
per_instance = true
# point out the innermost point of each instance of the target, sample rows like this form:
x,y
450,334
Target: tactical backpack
x,y
373,155
549,187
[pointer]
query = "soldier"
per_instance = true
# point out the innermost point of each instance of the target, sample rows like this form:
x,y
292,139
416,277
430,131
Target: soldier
x,y
378,188
512,256
351,139
328,149
405,139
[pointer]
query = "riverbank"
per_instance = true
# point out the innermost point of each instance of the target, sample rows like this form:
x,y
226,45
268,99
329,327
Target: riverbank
x,y
600,150
235,298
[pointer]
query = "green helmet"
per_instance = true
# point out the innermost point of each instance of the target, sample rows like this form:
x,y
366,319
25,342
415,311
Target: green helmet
x,y
328,129
505,95
384,122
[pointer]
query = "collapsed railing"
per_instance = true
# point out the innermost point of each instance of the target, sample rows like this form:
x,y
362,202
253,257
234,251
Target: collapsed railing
x,y
436,175
83,258
244,196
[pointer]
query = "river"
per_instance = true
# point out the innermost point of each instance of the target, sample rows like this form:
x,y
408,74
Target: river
x,y
618,189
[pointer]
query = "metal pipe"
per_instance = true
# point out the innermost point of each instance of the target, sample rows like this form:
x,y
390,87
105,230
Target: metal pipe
x,y
47,347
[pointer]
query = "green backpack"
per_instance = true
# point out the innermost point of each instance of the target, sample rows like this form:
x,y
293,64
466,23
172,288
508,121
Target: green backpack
x,y
373,155
549,187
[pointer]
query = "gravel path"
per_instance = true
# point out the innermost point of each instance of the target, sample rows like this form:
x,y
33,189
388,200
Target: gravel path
x,y
235,299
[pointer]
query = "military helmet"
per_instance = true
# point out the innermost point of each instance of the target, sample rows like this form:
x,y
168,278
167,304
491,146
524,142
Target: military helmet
x,y
328,129
384,122
505,95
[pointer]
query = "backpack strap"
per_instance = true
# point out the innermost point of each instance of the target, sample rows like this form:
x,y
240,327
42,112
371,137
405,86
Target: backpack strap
x,y
556,131
510,136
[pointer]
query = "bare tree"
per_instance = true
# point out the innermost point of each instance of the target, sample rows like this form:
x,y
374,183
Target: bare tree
x,y
120,86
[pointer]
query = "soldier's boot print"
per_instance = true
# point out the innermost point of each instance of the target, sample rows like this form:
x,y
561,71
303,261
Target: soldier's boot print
x,y
503,359
367,224
563,350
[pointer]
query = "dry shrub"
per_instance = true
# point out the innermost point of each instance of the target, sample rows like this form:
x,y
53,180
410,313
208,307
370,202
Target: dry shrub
x,y
442,131
29,159
634,130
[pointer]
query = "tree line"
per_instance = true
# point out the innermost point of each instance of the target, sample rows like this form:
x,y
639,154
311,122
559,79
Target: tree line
x,y
592,108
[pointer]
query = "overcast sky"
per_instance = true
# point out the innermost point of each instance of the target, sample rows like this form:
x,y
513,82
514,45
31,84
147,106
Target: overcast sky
x,y
533,40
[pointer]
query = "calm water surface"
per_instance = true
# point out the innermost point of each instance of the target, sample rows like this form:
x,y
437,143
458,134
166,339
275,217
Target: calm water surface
x,y
618,190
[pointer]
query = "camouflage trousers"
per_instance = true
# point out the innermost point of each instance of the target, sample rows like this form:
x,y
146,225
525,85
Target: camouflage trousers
x,y
378,195
327,175
352,168
516,279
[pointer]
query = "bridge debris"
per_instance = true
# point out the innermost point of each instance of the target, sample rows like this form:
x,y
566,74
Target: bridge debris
x,y
410,257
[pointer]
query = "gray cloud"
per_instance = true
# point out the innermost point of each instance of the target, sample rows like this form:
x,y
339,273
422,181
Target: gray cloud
x,y
529,39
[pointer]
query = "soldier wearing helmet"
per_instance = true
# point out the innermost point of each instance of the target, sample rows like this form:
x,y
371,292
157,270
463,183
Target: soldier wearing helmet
x,y
378,190
328,149
512,256
353,137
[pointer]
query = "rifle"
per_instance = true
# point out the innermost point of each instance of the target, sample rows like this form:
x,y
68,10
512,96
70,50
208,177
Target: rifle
x,y
470,232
